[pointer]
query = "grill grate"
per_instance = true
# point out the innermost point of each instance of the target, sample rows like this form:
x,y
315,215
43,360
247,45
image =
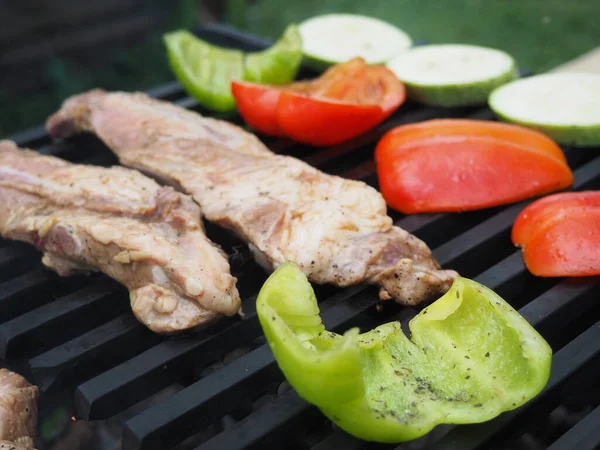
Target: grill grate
x,y
77,336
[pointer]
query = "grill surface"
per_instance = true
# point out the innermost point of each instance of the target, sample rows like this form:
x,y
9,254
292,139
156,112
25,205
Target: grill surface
x,y
77,339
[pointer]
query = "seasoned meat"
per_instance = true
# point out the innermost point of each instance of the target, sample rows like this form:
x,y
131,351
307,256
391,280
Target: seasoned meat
x,y
18,411
119,222
336,230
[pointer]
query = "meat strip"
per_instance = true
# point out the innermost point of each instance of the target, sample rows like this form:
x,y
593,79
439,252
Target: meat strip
x,y
120,222
336,230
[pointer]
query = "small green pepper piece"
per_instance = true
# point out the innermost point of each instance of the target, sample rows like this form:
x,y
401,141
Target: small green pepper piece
x,y
470,357
279,63
206,71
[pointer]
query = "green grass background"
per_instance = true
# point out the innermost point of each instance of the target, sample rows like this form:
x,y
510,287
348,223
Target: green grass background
x,y
540,34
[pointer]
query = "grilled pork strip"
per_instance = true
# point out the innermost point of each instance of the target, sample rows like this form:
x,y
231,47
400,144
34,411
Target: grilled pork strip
x,y
122,223
336,230
18,411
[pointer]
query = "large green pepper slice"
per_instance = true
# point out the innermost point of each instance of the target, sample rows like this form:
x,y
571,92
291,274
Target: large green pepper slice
x,y
470,357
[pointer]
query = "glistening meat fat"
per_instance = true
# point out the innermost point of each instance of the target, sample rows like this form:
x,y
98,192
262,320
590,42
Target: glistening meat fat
x,y
120,222
336,230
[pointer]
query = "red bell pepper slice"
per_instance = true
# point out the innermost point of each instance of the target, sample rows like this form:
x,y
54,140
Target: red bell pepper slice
x,y
323,122
257,104
458,165
560,235
461,127
346,101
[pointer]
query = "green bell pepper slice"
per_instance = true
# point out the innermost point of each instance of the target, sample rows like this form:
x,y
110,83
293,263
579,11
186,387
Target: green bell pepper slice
x,y
206,71
279,63
470,357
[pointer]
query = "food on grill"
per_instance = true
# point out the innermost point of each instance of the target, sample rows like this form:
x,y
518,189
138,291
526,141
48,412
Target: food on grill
x,y
337,38
257,104
560,235
206,71
460,164
18,411
452,74
564,106
346,101
470,357
336,230
279,63
119,222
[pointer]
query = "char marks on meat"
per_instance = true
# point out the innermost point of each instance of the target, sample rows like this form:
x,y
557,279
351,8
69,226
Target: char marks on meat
x,y
120,222
336,230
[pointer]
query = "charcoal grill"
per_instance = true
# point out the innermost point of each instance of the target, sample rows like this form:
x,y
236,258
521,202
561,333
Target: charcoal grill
x,y
221,389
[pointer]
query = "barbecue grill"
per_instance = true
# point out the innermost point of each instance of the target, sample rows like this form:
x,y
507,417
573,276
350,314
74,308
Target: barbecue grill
x,y
220,388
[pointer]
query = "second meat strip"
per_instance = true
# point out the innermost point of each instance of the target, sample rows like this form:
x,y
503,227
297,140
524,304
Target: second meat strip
x,y
118,221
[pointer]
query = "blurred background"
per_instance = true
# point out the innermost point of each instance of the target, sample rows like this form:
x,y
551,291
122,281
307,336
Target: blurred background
x,y
52,49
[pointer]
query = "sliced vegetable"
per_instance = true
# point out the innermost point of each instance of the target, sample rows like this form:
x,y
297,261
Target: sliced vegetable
x,y
257,104
321,122
471,356
461,127
453,74
564,106
337,38
560,235
460,164
307,119
347,100
279,63
206,71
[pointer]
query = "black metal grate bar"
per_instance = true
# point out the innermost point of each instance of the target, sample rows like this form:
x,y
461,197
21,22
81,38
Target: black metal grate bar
x,y
24,292
32,331
583,436
16,260
144,374
33,137
87,354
